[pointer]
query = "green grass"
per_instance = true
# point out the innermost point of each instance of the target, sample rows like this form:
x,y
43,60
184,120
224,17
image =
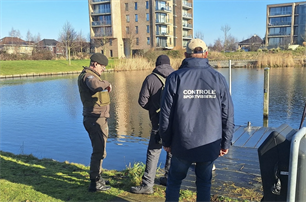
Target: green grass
x,y
27,178
43,66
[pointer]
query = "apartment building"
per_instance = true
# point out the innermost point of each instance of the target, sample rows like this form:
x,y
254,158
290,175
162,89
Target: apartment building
x,y
121,28
286,24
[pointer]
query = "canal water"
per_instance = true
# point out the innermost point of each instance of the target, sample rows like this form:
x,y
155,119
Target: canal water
x,y
42,116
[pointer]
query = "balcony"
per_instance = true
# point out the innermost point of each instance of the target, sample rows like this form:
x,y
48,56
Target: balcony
x,y
162,34
103,35
187,36
100,23
101,12
187,5
187,15
187,26
279,24
161,45
166,9
99,1
279,35
164,21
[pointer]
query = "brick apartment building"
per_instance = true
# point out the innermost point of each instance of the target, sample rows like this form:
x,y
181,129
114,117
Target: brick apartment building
x,y
120,28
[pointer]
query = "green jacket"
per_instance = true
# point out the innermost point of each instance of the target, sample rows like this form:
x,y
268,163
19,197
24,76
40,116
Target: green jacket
x,y
94,94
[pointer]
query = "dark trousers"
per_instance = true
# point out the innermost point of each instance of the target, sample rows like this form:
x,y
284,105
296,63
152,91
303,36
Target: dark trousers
x,y
153,153
178,172
97,129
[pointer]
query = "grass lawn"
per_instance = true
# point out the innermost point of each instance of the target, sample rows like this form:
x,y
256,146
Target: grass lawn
x,y
43,66
27,178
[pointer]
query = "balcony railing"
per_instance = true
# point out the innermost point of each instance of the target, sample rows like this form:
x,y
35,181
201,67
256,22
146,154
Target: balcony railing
x,y
164,9
103,34
279,34
162,33
100,23
161,45
163,21
105,11
97,1
187,25
187,36
279,23
187,15
185,3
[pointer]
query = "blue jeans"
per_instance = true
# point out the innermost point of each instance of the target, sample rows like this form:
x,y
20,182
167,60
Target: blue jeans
x,y
178,172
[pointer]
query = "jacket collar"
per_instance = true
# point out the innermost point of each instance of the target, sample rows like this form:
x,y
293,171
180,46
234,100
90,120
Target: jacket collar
x,y
194,62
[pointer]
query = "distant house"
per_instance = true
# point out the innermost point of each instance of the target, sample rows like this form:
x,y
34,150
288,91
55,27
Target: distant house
x,y
52,45
251,44
15,45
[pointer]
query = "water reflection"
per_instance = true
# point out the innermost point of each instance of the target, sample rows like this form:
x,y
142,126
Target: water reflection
x,y
43,116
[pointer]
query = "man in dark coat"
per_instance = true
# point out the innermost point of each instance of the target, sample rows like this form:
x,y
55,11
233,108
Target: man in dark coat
x,y
196,120
94,93
149,99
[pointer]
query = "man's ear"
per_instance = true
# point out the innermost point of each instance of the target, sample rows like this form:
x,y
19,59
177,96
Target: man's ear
x,y
205,54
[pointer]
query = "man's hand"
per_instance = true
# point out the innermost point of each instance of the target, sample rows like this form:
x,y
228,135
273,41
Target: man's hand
x,y
167,149
223,152
109,88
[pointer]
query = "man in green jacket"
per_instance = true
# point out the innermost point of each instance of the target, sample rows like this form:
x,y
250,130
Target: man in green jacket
x,y
94,93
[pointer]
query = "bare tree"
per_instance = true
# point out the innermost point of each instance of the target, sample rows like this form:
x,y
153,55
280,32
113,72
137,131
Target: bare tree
x,y
15,39
225,29
80,43
218,45
67,38
232,43
131,40
199,35
29,37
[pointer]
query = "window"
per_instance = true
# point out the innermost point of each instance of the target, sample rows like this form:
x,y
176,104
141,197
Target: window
x,y
127,17
110,42
126,6
148,17
148,40
136,29
136,17
147,4
137,41
111,53
148,29
135,5
127,30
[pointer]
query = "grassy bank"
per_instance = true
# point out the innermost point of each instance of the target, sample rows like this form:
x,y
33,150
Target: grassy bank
x,y
27,178
264,59
42,66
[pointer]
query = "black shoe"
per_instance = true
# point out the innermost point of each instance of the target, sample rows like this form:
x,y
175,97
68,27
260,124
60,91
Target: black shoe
x,y
163,181
98,185
142,189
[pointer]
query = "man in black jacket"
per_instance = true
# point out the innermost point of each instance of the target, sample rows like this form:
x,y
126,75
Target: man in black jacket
x,y
149,99
196,120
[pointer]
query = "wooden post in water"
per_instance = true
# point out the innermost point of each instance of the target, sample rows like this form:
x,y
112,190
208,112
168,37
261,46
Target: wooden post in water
x,y
266,93
230,76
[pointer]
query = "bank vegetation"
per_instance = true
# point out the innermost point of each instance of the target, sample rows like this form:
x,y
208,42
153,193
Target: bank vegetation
x,y
27,178
19,64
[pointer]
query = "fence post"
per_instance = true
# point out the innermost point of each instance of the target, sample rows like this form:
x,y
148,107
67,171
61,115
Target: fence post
x,y
266,93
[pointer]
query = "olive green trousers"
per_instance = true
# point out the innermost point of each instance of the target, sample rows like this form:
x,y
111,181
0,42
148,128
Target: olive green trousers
x,y
97,129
